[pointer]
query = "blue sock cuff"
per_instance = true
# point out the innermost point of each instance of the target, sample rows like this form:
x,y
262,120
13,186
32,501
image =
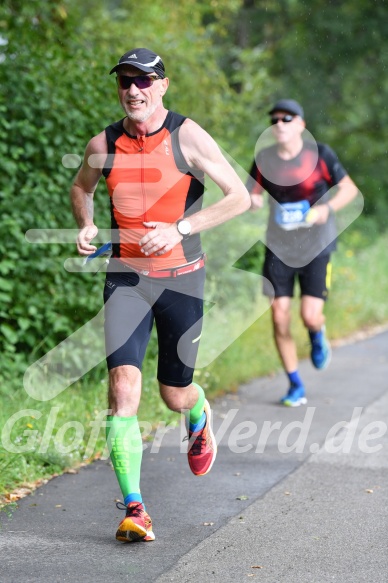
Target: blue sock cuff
x,y
134,497
295,378
200,425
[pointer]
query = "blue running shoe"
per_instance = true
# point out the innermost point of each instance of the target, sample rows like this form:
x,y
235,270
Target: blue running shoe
x,y
296,396
320,349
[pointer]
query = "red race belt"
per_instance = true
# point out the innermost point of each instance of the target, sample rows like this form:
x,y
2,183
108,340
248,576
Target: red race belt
x,y
175,272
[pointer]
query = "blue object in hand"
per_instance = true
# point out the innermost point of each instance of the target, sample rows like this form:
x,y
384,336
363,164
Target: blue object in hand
x,y
103,251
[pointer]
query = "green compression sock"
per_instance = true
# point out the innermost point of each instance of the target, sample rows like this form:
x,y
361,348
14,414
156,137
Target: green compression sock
x,y
196,413
126,450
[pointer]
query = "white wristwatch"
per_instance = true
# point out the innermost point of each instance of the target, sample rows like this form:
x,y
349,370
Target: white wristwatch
x,y
184,228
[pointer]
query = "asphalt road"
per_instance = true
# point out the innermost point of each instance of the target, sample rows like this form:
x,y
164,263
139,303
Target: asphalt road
x,y
295,495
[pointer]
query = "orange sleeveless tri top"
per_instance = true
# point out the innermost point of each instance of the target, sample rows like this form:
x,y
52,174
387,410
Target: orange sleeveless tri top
x,y
148,179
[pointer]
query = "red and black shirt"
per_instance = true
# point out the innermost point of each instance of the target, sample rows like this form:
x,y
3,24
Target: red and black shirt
x,y
307,177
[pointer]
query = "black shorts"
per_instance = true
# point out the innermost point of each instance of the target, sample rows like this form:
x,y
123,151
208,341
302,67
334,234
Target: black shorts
x,y
314,278
134,302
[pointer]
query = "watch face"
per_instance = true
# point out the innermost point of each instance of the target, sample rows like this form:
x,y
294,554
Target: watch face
x,y
184,227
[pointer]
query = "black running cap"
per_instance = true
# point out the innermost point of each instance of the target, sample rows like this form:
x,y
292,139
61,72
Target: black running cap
x,y
142,59
288,105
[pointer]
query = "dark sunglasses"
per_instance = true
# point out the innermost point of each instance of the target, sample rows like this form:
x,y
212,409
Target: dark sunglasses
x,y
285,119
141,81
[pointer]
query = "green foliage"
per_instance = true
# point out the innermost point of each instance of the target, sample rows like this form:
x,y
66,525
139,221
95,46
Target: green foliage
x,y
333,57
47,116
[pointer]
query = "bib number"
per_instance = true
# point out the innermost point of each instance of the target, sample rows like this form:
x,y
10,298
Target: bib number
x,y
291,215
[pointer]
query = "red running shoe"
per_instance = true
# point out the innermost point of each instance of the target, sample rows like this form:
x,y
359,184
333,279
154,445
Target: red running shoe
x,y
136,525
202,449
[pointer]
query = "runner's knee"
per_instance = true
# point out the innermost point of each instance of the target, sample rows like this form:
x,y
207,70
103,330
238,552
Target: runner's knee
x,y
178,398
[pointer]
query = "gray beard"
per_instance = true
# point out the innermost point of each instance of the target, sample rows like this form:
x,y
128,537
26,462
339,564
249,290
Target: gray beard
x,y
140,117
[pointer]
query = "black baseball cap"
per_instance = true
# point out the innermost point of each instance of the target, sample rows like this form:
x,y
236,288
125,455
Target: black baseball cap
x,y
288,105
142,59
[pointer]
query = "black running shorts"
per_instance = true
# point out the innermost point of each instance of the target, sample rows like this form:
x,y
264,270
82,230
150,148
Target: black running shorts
x,y
133,303
314,278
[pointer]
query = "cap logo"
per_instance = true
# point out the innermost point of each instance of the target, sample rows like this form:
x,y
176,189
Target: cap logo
x,y
132,56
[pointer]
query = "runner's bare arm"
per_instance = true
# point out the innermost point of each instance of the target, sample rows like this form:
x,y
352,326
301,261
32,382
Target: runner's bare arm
x,y
201,152
82,192
346,192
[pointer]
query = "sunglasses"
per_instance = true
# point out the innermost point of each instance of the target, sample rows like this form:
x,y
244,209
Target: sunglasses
x,y
141,81
285,119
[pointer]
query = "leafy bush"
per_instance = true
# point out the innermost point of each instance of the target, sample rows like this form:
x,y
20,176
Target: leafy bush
x,y
48,114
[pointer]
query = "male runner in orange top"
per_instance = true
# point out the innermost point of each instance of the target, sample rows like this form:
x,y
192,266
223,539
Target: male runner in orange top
x,y
154,162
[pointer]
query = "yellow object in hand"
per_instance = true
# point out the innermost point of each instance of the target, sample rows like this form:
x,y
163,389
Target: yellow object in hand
x,y
311,216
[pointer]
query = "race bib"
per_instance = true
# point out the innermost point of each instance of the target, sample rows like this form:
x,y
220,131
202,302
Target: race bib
x,y
292,215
